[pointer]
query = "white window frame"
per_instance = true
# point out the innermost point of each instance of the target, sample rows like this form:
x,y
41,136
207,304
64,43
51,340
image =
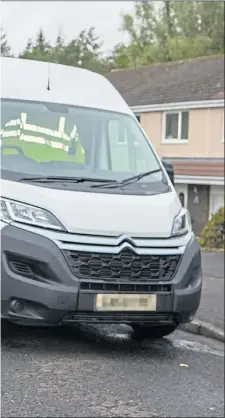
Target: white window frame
x,y
222,140
122,143
178,140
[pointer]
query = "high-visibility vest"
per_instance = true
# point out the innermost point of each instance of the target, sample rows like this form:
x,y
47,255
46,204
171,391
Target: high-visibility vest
x,y
43,144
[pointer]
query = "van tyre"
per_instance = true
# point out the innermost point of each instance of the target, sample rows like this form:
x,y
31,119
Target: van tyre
x,y
152,332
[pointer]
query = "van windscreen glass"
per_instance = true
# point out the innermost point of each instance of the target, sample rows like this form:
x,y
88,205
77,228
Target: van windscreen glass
x,y
48,139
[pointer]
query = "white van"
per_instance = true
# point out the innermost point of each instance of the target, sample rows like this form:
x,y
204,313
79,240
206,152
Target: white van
x,y
92,229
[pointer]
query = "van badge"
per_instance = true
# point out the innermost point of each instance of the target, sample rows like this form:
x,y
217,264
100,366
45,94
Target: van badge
x,y
124,239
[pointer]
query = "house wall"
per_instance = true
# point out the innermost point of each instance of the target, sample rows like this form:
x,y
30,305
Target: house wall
x,y
205,134
205,140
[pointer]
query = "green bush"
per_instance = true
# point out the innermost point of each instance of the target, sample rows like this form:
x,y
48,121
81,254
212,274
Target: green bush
x,y
212,236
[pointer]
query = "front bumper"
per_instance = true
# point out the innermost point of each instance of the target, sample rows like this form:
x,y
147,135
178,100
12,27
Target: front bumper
x,y
47,292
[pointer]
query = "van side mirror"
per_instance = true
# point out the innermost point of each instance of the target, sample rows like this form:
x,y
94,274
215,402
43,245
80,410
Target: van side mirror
x,y
169,169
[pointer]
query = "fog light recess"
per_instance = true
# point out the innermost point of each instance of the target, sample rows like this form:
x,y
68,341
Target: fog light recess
x,y
16,306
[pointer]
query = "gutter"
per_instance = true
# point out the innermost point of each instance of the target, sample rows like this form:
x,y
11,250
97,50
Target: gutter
x,y
208,180
178,106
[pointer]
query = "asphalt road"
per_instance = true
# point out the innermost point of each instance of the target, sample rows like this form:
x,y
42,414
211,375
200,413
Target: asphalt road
x,y
211,307
213,264
102,371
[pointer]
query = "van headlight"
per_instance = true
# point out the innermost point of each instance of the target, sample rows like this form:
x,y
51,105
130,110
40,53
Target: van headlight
x,y
12,211
182,223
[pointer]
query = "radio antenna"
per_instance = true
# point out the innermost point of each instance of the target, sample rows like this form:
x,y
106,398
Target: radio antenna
x,y
48,86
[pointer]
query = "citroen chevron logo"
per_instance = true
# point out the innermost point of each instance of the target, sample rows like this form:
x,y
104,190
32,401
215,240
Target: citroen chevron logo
x,y
126,241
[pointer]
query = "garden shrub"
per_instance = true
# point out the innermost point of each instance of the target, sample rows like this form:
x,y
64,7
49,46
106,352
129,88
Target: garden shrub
x,y
212,236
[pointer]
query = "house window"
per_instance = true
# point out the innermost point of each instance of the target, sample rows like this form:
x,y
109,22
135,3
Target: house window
x,y
176,126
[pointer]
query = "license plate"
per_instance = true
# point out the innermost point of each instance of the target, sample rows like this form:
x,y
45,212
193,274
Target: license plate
x,y
123,302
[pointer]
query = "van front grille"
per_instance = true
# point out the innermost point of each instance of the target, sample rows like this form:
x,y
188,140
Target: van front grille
x,y
127,265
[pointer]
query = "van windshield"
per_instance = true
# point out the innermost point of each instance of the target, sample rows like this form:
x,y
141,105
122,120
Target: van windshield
x,y
48,139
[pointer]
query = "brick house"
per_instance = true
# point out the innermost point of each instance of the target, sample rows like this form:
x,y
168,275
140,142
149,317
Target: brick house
x,y
180,105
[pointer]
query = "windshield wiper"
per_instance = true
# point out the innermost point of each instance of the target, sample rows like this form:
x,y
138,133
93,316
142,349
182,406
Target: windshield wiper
x,y
53,179
103,182
128,180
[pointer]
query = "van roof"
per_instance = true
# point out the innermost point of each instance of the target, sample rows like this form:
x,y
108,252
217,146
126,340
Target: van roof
x,y
28,80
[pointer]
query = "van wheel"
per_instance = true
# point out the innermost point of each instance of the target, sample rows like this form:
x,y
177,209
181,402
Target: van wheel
x,y
152,332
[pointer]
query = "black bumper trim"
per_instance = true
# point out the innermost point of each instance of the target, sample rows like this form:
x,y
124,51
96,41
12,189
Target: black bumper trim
x,y
118,317
103,286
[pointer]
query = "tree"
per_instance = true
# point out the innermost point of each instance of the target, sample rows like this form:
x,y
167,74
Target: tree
x,y
169,31
122,56
40,50
186,16
148,30
29,47
83,51
60,39
57,52
5,48
140,28
211,23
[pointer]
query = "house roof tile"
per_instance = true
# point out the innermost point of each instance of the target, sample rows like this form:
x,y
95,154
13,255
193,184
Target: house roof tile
x,y
198,167
180,81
